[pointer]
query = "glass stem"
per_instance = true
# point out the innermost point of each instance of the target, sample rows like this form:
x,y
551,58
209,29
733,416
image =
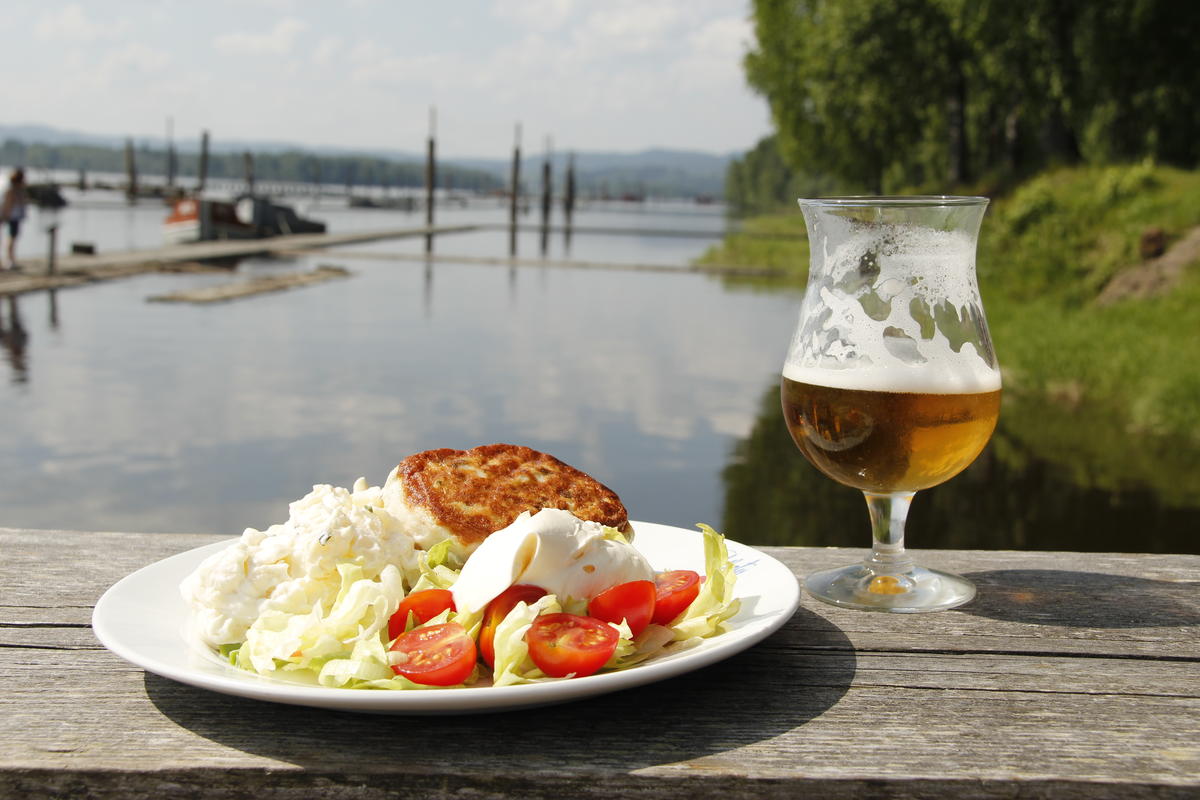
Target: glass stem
x,y
888,513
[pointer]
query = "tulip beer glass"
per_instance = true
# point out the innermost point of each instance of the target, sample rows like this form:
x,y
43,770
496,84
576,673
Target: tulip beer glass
x,y
891,384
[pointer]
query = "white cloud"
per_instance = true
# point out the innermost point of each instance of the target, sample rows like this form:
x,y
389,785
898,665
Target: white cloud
x,y
71,23
631,27
712,57
540,15
137,58
326,49
277,41
729,37
133,60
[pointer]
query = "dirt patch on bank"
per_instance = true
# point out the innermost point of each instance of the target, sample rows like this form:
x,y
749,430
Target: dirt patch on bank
x,y
1154,276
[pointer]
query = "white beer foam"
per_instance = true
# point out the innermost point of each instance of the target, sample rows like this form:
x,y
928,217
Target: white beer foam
x,y
916,379
838,344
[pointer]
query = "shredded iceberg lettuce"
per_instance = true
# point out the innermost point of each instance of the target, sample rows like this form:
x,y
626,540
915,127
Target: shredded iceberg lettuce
x,y
715,604
360,612
346,644
512,662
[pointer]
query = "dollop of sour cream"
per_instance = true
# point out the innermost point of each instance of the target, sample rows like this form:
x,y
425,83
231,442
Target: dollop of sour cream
x,y
568,557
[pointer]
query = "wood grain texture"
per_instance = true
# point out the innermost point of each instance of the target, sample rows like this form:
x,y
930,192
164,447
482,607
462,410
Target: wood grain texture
x,y
1071,675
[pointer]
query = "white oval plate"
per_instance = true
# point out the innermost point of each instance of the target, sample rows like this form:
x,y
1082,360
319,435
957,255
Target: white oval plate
x,y
143,619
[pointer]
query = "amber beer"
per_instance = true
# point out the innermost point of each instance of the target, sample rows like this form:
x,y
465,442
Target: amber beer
x,y
888,441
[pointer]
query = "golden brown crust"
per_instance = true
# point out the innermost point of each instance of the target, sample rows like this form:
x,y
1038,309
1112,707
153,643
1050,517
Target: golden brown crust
x,y
473,493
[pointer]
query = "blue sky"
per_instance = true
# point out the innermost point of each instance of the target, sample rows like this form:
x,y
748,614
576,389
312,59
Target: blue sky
x,y
601,75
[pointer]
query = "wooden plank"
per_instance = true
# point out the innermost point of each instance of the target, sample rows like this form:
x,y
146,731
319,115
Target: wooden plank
x,y
264,284
815,729
994,703
553,263
75,270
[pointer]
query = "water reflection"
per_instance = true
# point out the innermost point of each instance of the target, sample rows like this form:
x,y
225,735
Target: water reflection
x,y
52,296
1051,479
210,418
14,338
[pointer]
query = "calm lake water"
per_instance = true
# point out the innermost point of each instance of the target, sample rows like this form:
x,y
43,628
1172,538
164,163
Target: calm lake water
x,y
127,415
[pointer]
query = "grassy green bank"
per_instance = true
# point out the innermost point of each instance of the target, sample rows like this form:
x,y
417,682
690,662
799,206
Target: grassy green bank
x,y
1047,249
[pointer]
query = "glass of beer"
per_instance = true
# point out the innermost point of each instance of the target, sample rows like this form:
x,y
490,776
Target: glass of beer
x,y
891,384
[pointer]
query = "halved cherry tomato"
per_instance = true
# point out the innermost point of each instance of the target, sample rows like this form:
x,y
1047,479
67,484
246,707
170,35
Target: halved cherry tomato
x,y
566,644
424,605
497,610
436,655
674,592
632,602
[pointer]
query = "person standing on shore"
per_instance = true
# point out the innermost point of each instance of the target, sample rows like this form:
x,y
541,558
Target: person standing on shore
x,y
12,211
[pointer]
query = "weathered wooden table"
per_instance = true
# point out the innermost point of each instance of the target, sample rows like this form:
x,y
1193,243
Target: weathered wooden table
x,y
1070,675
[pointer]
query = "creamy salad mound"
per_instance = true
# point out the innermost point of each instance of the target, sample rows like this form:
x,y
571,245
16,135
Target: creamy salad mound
x,y
293,567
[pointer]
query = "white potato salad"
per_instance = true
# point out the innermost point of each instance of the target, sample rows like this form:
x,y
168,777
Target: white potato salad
x,y
341,595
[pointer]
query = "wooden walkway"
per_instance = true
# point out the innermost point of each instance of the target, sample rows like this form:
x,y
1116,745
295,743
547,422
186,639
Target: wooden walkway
x,y
553,263
1071,675
73,270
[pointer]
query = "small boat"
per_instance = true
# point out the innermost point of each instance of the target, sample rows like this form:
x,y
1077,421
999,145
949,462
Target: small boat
x,y
195,219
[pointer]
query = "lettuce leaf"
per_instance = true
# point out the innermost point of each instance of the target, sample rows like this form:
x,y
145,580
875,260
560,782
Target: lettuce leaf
x,y
360,613
512,661
715,604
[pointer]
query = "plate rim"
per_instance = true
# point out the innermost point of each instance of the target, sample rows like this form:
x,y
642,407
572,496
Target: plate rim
x,y
106,626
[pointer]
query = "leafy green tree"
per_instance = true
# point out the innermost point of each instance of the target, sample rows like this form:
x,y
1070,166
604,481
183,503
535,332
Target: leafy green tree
x,y
762,180
899,93
1139,81
852,84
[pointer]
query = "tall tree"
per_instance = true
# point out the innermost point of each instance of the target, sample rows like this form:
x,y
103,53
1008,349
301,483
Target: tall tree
x,y
853,84
893,93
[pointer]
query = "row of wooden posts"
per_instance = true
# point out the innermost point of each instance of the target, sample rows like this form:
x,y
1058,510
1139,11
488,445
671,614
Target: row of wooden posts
x,y
132,191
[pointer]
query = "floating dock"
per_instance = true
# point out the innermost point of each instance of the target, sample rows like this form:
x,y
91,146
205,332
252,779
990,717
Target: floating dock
x,y
77,269
556,263
254,286
73,270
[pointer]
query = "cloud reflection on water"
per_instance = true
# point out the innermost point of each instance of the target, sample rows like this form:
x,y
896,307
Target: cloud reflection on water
x,y
152,417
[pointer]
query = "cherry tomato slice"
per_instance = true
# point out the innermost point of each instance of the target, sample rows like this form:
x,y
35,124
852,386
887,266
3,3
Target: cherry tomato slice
x,y
632,602
437,655
674,592
497,610
424,605
565,644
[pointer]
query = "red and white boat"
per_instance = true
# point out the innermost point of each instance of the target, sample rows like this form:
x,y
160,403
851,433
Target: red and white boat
x,y
194,219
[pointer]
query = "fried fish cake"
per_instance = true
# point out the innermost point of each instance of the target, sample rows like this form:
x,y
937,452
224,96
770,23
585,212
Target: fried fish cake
x,y
466,495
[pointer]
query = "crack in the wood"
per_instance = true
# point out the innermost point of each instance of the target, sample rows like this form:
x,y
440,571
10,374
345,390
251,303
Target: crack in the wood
x,y
1029,654
6,646
989,635
1020,690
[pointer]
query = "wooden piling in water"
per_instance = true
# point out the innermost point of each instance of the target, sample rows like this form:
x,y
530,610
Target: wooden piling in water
x,y
547,191
52,255
130,172
547,194
202,169
569,191
170,154
514,193
430,177
248,166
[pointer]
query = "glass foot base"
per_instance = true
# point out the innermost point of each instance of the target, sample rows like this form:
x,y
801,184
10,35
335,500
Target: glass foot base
x,y
910,591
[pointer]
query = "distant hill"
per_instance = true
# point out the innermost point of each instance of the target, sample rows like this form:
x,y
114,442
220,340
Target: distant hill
x,y
654,172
